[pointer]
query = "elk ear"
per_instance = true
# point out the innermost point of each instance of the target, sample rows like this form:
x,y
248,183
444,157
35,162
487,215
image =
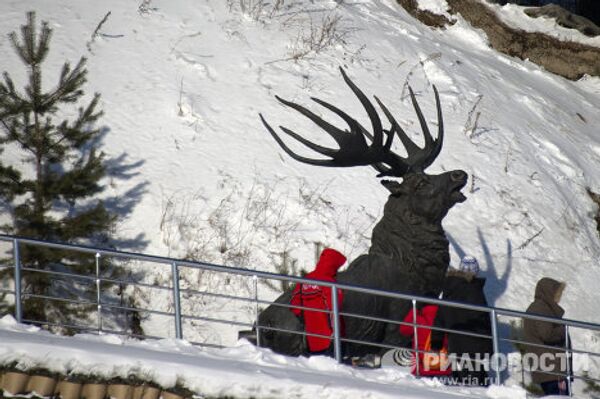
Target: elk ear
x,y
393,187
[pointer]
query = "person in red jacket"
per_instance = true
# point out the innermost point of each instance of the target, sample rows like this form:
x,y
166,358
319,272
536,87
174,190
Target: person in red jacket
x,y
425,317
318,297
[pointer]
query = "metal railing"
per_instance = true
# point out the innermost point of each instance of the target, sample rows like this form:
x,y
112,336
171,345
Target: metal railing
x,y
335,313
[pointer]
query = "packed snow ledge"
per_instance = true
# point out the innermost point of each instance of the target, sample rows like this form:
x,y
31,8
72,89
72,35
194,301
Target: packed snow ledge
x,y
242,371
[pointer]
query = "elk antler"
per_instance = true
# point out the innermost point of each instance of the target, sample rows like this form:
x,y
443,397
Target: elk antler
x,y
353,148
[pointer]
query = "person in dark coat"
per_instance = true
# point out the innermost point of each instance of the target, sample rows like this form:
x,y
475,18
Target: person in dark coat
x,y
472,353
319,297
547,296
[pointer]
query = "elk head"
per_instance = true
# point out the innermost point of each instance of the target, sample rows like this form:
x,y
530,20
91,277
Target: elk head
x,y
420,197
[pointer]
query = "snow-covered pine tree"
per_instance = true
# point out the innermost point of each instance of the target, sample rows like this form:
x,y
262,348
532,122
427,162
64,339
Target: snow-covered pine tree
x,y
50,192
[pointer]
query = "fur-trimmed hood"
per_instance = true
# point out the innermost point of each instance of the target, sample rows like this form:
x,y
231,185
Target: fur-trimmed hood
x,y
461,274
546,290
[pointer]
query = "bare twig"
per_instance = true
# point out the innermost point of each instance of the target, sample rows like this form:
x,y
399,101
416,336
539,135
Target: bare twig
x,y
530,239
278,4
96,31
473,188
255,9
507,156
180,103
100,25
475,122
470,124
145,7
287,266
320,35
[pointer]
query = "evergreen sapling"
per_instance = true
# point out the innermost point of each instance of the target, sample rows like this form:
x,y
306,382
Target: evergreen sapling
x,y
50,183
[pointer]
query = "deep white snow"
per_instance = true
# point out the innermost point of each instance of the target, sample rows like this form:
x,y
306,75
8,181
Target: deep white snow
x,y
182,84
240,371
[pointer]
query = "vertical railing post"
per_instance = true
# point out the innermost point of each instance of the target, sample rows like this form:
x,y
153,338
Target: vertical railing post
x,y
569,354
337,345
98,302
496,355
176,300
18,307
256,313
416,338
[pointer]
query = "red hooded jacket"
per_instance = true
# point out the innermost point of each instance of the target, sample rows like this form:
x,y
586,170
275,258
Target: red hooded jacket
x,y
425,317
318,297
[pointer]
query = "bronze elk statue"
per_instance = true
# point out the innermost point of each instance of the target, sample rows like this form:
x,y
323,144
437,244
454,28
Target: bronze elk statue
x,y
409,249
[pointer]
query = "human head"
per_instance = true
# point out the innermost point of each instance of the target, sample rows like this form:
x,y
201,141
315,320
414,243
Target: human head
x,y
469,264
549,290
330,261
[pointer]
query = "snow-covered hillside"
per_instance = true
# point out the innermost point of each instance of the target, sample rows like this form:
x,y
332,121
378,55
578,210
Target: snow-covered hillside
x,y
182,84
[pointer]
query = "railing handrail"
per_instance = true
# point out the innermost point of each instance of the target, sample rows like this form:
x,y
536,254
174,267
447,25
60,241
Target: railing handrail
x,y
335,311
285,277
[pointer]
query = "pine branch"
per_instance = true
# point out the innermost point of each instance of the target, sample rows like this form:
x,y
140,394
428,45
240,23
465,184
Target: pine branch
x,y
13,136
9,93
75,133
29,53
10,182
69,85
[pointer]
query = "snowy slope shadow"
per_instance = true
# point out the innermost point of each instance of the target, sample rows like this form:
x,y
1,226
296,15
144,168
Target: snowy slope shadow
x,y
118,170
495,285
